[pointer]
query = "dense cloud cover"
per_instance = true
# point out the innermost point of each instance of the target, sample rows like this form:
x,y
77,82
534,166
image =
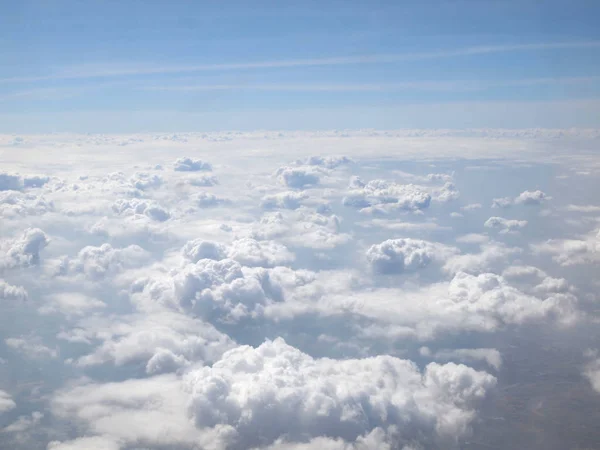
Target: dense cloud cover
x,y
215,292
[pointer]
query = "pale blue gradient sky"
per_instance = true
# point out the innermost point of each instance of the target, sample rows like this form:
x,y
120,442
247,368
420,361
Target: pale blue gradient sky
x,y
157,65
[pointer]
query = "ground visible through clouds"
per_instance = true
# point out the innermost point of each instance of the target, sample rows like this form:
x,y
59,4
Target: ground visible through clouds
x,y
339,290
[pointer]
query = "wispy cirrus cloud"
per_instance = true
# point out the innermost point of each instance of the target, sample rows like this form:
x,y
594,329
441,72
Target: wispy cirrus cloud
x,y
459,85
112,70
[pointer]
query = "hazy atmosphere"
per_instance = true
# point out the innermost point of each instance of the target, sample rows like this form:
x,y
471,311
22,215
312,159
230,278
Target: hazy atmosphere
x,y
300,225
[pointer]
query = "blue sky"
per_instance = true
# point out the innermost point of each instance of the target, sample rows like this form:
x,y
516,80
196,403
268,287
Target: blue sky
x,y
201,66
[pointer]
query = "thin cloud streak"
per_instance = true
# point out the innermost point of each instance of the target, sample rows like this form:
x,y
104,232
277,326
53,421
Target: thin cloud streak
x,y
432,86
117,71
463,85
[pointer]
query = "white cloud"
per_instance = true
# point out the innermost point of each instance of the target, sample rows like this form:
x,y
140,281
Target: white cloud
x,y
71,304
298,177
200,249
134,206
583,208
531,198
208,200
251,252
473,238
10,292
490,356
283,200
31,347
406,255
492,256
382,196
96,263
275,390
301,229
568,252
592,370
88,443
246,251
145,180
503,202
164,341
330,162
505,225
203,180
216,290
6,402
524,198
155,279
187,164
23,423
483,303
16,182
15,205
446,193
471,207
24,251
10,182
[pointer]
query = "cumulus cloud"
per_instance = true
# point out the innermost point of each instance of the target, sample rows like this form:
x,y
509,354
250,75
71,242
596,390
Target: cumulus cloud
x,y
298,177
187,164
485,303
473,238
158,300
524,198
134,206
10,292
583,208
203,180
406,255
502,202
24,423
10,182
223,291
471,207
490,356
208,200
569,252
198,249
16,182
15,204
145,180
492,255
31,347
246,251
505,225
275,390
23,251
90,443
251,252
531,198
95,263
163,341
382,196
592,369
71,304
446,193
330,162
6,402
283,200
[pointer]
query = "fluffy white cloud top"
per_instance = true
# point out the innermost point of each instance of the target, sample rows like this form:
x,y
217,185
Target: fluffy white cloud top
x,y
303,291
406,255
10,292
275,390
6,402
24,250
186,164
